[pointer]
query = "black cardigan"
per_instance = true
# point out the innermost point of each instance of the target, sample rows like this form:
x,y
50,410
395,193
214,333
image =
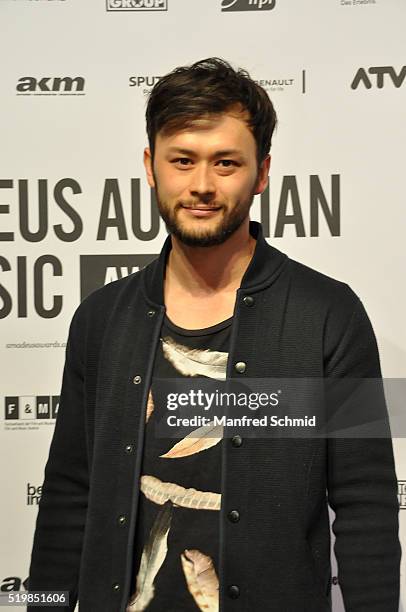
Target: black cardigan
x,y
300,323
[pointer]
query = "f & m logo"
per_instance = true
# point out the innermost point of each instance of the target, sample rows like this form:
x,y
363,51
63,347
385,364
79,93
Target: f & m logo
x,y
51,86
379,76
247,5
137,5
31,407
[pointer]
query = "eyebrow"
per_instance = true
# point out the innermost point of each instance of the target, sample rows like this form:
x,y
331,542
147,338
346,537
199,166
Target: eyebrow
x,y
220,153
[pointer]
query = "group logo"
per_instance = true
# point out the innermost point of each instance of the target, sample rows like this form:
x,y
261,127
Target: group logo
x,y
247,5
137,5
51,86
99,270
379,76
31,407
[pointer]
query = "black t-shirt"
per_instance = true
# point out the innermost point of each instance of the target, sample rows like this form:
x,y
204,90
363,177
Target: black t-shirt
x,y
177,533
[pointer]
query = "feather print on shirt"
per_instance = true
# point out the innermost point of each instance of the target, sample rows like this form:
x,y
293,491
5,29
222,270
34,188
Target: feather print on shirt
x,y
195,442
150,406
198,569
152,558
195,362
160,492
201,579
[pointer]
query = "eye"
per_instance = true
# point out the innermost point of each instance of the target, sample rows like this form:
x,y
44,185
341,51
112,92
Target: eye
x,y
182,161
227,163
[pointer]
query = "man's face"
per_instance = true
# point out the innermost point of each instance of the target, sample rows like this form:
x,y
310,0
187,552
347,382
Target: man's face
x,y
206,177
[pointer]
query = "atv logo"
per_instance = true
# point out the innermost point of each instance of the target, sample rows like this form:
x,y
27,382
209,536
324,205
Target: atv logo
x,y
247,5
379,72
51,86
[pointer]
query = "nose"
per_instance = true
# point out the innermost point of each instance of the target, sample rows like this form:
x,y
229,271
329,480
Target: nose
x,y
202,182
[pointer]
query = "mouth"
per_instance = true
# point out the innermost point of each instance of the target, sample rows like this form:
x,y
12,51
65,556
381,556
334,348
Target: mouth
x,y
202,211
201,207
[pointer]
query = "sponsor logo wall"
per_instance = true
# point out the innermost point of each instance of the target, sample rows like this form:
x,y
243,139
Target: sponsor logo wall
x,y
304,206
76,211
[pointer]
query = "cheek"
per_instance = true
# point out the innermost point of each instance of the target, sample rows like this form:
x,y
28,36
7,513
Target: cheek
x,y
238,189
169,185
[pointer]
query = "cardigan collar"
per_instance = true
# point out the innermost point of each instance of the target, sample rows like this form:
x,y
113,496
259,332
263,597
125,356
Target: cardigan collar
x,y
265,265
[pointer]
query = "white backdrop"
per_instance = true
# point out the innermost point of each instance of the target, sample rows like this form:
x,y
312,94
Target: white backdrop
x,y
75,208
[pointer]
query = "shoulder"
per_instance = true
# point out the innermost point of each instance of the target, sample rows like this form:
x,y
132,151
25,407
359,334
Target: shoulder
x,y
97,308
349,343
321,293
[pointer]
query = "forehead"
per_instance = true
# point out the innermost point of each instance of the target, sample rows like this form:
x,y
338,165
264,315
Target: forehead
x,y
225,130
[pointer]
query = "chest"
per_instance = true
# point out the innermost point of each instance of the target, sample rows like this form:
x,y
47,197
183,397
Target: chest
x,y
199,312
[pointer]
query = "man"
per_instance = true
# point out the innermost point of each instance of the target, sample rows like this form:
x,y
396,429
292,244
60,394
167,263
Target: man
x,y
131,521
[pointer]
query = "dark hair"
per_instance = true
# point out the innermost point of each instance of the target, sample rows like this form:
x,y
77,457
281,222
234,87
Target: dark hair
x,y
207,87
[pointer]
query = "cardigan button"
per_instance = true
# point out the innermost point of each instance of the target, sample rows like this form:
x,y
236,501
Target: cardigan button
x,y
129,448
234,516
137,380
116,587
122,519
240,366
236,441
233,591
151,313
248,300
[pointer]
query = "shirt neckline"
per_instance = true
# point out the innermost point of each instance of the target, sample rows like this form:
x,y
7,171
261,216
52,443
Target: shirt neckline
x,y
197,332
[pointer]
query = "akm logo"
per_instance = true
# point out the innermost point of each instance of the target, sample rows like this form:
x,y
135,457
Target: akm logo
x,y
247,5
379,72
402,494
30,407
99,270
51,86
137,5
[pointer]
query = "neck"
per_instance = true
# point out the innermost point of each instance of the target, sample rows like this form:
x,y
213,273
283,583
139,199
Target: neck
x,y
202,271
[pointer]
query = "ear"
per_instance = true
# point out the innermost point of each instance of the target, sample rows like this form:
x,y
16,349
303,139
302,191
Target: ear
x,y
263,176
148,167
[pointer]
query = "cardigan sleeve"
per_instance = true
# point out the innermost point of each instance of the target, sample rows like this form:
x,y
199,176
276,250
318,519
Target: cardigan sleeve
x,y
61,518
362,486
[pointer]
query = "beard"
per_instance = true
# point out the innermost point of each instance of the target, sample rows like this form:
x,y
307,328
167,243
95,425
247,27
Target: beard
x,y
218,233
